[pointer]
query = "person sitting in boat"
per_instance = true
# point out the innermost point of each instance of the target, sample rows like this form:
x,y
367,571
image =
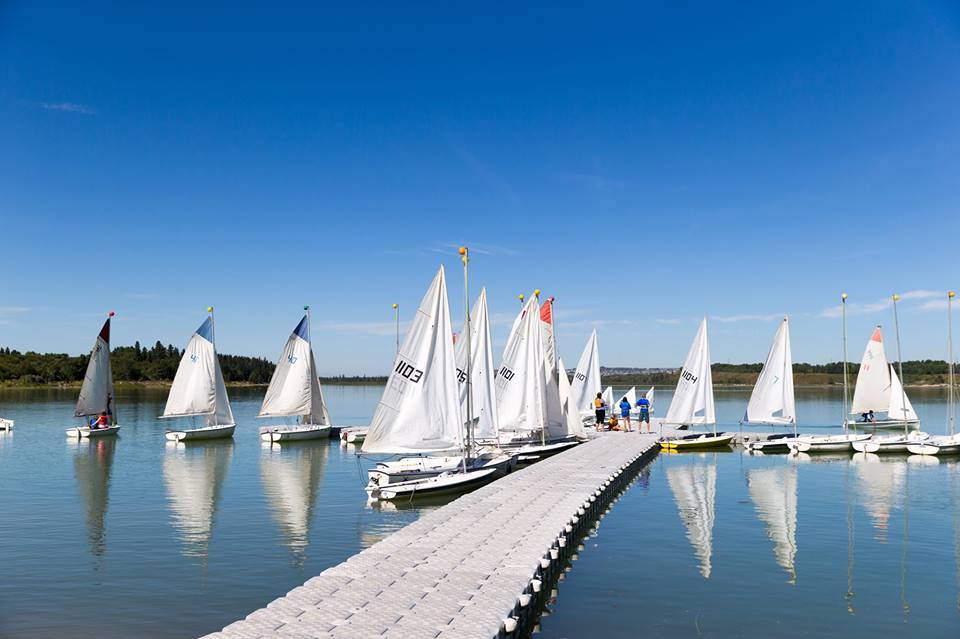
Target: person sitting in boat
x,y
625,413
644,405
600,412
871,417
102,421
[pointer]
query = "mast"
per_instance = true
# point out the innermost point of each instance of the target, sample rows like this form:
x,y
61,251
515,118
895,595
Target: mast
x,y
543,430
306,307
903,393
396,314
465,258
846,388
950,407
112,412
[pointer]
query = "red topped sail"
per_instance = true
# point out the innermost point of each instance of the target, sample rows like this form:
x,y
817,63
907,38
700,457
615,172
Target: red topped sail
x,y
105,331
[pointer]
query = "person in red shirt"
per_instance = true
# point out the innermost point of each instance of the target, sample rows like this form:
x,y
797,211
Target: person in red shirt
x,y
102,421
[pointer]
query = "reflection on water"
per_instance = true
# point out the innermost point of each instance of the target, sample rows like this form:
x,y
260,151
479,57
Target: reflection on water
x,y
774,495
694,487
291,478
92,465
193,475
881,487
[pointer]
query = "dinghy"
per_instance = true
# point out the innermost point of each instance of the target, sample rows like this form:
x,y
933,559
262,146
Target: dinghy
x,y
939,445
481,403
96,393
353,435
198,389
420,407
692,402
294,391
586,380
772,401
879,390
6,424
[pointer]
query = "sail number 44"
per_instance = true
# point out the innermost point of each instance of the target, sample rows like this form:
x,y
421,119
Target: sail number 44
x,y
409,371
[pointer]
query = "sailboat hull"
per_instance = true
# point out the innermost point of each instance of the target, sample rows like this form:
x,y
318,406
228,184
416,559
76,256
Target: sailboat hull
x,y
889,444
692,442
773,444
413,468
6,424
197,434
86,431
884,424
937,446
826,443
446,484
531,453
277,434
353,435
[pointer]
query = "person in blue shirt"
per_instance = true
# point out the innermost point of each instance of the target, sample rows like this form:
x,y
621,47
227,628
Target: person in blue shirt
x,y
625,413
644,405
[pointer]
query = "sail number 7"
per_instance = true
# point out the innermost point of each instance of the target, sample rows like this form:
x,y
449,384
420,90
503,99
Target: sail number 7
x,y
409,371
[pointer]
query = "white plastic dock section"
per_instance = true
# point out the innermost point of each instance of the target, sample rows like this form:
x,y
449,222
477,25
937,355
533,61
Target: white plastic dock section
x,y
475,568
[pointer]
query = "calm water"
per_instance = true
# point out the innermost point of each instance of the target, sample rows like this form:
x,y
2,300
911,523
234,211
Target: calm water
x,y
183,540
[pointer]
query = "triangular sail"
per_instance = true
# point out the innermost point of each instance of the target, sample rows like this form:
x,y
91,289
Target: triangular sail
x,y
693,400
774,495
694,487
198,387
96,394
294,388
631,396
900,406
420,407
521,392
872,392
608,399
586,379
570,412
483,398
649,397
546,333
556,420
772,401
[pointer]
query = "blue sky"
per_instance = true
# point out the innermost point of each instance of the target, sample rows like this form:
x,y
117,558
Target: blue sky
x,y
645,163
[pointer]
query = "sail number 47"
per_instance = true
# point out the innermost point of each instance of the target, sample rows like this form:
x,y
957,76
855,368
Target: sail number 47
x,y
409,371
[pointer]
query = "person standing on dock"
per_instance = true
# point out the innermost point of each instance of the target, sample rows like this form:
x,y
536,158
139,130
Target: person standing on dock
x,y
644,405
625,413
600,411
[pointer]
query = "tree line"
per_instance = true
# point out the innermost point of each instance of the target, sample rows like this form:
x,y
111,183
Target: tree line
x,y
136,364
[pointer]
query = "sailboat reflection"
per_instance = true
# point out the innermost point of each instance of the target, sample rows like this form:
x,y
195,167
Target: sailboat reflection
x,y
194,477
774,495
291,479
92,465
881,488
694,487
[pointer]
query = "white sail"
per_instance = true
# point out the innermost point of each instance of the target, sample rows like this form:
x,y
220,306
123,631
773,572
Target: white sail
x,y
649,397
198,387
631,396
570,412
774,495
555,418
772,401
194,479
693,399
483,398
586,379
694,487
610,401
96,394
420,407
521,392
294,388
872,392
900,406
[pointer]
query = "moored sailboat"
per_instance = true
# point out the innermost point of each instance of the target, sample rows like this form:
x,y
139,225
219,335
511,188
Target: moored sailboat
x,y
772,401
198,389
692,402
294,391
586,379
949,443
96,394
6,424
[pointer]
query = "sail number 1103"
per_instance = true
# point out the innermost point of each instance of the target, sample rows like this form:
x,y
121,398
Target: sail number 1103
x,y
409,371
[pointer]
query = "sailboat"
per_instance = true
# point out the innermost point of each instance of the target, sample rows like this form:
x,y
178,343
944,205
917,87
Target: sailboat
x,y
610,404
6,424
772,401
774,495
692,402
586,379
484,428
879,390
294,391
570,412
694,488
419,411
532,421
832,443
949,443
198,389
96,394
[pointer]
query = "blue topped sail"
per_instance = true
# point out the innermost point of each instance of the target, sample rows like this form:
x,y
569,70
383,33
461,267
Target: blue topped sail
x,y
206,330
302,330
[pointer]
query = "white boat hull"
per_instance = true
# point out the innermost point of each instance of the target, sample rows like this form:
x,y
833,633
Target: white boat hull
x,y
6,424
947,445
413,468
889,444
279,434
774,444
884,424
446,484
531,452
196,434
86,431
826,443
353,435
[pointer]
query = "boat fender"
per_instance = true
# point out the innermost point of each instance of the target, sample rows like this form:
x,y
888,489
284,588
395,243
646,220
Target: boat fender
x,y
524,600
509,624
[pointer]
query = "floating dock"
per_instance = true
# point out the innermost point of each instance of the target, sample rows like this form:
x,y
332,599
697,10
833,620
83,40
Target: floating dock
x,y
477,568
